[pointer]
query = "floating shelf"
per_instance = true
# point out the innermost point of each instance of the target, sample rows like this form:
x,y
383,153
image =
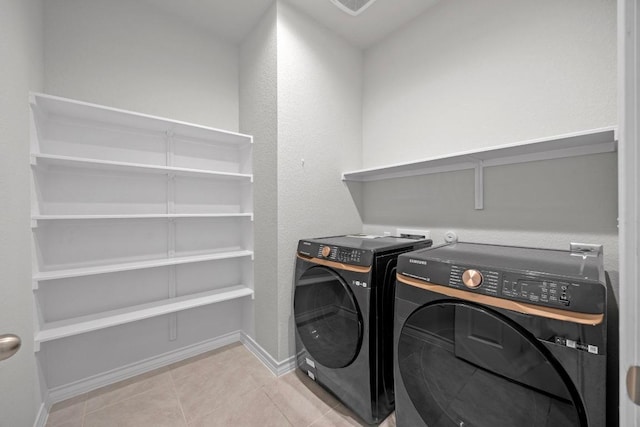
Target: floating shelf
x,y
79,325
594,141
114,268
49,105
82,162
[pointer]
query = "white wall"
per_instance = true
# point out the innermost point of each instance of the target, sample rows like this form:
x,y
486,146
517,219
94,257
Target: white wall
x,y
21,71
258,117
320,121
467,75
128,55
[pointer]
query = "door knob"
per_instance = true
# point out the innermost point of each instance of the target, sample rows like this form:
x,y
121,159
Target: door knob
x,y
9,345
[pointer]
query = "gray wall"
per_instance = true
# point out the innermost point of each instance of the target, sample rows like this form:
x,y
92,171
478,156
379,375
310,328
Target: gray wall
x,y
20,72
468,75
258,117
544,204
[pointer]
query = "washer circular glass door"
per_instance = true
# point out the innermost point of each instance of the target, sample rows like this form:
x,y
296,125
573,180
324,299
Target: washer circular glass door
x,y
327,317
465,365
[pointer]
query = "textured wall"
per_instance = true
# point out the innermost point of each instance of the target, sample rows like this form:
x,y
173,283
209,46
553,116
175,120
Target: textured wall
x,y
258,117
320,121
131,56
21,71
467,75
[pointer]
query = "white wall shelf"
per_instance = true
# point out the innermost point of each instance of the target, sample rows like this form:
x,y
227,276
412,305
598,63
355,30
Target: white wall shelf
x,y
37,218
94,115
79,162
594,141
134,217
139,265
80,325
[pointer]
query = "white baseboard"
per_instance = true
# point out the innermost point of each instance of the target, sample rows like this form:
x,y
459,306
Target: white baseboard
x,y
43,414
85,385
277,368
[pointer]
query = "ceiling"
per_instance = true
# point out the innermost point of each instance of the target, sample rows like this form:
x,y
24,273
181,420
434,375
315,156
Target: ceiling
x,y
234,19
376,22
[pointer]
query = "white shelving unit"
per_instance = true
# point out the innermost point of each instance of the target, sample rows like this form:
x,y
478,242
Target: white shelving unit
x,y
594,141
134,218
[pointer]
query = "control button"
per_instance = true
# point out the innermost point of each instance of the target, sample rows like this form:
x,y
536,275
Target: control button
x,y
326,251
472,278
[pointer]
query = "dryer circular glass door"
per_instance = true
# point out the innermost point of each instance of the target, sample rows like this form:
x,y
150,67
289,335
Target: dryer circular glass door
x,y
465,365
327,317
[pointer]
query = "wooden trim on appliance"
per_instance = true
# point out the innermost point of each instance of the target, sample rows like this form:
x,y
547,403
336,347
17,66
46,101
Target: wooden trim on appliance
x,y
334,264
551,313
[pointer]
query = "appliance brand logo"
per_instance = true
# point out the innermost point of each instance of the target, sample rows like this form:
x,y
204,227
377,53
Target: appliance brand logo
x,y
417,261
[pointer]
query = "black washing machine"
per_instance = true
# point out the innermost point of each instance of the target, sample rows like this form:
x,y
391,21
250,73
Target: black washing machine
x,y
343,309
498,336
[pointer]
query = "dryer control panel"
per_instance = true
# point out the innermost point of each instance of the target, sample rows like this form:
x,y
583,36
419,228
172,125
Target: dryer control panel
x,y
552,292
529,289
572,293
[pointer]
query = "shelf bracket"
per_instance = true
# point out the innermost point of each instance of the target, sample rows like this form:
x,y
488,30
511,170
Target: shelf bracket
x,y
479,185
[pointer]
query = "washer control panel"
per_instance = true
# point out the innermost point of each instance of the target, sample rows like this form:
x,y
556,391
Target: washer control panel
x,y
339,254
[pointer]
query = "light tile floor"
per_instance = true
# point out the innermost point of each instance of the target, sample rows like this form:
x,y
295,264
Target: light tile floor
x,y
225,387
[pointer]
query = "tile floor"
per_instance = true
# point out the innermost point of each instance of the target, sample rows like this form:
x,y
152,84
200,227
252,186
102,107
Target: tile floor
x,y
225,387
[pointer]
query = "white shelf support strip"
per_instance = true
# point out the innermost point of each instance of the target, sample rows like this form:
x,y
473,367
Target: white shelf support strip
x,y
80,325
479,178
173,293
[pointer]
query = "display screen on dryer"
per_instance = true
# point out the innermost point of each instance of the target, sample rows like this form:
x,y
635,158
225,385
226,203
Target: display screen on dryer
x,y
544,291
